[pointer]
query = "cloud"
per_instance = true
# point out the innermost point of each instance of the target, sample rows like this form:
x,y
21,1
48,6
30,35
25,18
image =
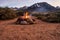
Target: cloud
x,y
13,3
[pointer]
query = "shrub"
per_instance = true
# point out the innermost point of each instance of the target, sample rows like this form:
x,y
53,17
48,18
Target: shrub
x,y
7,13
50,17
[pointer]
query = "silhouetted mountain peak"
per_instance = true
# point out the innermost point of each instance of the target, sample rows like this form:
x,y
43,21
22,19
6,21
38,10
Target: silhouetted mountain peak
x,y
41,7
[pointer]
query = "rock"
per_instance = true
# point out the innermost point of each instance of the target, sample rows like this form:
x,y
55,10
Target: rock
x,y
25,21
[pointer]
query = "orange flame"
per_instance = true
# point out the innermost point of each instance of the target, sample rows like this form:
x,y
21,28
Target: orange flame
x,y
26,15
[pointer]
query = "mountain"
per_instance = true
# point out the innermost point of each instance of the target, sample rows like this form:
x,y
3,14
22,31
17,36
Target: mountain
x,y
38,7
58,8
23,8
41,7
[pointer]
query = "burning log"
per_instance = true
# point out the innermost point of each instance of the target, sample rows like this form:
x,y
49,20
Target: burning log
x,y
25,19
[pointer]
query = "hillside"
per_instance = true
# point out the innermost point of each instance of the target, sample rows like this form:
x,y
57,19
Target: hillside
x,y
40,31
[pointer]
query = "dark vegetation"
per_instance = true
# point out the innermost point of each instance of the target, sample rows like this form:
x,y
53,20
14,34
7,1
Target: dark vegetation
x,y
53,17
9,13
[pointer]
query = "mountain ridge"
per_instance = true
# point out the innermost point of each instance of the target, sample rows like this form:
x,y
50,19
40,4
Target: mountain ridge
x,y
39,7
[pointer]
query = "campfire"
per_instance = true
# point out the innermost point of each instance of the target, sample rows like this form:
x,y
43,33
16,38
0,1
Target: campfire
x,y
25,16
25,19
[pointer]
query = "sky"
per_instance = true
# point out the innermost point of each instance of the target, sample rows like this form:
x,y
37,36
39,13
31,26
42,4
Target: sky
x,y
21,3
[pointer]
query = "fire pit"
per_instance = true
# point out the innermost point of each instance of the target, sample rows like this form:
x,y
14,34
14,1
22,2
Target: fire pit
x,y
25,19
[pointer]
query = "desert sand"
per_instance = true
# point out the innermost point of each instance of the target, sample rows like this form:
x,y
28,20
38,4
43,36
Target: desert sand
x,y
39,31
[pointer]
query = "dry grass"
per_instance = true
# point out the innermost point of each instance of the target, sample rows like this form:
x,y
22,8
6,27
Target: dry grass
x,y
39,31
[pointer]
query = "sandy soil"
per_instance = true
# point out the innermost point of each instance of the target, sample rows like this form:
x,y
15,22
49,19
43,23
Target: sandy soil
x,y
39,31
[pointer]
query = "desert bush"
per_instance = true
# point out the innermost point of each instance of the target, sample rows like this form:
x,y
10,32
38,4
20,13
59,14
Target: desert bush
x,y
50,17
53,17
7,13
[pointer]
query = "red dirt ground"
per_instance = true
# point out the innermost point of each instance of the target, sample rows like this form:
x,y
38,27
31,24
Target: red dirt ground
x,y
39,31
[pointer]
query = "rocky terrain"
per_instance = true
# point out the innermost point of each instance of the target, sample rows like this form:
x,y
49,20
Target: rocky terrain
x,y
39,31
